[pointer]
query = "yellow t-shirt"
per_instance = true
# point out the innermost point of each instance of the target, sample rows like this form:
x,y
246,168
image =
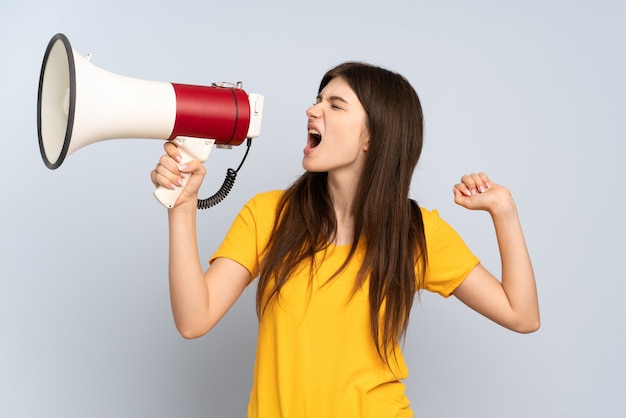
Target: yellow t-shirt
x,y
315,354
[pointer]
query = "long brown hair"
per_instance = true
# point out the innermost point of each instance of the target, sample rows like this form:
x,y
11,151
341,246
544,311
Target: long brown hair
x,y
390,223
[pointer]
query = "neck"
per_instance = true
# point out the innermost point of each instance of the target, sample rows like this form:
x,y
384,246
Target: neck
x,y
342,191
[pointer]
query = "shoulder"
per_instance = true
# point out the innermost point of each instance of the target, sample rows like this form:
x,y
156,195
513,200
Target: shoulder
x,y
430,217
262,206
436,229
449,260
268,196
265,200
429,213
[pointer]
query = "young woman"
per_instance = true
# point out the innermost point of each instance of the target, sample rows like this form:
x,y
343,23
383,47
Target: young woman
x,y
340,255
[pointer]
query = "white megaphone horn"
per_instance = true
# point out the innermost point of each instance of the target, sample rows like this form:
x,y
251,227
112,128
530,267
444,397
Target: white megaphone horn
x,y
79,104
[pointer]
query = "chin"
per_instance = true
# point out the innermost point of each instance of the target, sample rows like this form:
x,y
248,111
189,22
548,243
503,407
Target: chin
x,y
311,168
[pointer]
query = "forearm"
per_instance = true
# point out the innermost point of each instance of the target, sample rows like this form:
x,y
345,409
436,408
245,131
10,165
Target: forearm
x,y
518,279
188,288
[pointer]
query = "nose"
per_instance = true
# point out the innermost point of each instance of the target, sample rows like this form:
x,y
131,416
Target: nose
x,y
313,111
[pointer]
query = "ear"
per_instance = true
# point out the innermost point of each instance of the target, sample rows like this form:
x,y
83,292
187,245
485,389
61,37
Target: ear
x,y
366,142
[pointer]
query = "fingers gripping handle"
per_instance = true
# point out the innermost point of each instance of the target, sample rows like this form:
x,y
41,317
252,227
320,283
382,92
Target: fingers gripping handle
x,y
190,149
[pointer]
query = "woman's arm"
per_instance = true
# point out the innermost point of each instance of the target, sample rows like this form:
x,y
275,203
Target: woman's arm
x,y
512,302
199,299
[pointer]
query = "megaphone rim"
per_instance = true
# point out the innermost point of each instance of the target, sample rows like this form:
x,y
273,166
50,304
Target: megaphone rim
x,y
72,100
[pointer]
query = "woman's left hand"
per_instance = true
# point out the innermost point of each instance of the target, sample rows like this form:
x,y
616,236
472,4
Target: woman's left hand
x,y
478,192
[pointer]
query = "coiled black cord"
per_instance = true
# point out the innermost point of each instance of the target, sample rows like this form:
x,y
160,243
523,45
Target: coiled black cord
x,y
229,181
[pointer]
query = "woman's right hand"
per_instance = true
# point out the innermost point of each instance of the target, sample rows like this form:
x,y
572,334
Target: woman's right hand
x,y
169,173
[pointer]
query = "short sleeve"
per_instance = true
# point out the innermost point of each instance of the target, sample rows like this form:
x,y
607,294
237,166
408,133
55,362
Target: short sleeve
x,y
248,235
449,259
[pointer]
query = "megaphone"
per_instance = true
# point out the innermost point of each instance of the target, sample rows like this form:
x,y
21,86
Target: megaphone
x,y
79,104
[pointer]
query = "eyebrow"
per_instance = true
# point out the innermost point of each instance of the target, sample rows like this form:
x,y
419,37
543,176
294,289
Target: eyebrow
x,y
333,98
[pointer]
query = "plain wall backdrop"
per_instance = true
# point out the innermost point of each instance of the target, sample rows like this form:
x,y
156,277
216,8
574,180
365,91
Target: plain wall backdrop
x,y
530,92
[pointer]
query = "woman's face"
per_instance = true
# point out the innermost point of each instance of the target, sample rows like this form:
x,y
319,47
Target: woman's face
x,y
338,137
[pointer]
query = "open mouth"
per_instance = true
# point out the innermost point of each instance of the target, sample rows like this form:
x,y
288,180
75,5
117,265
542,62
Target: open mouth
x,y
314,138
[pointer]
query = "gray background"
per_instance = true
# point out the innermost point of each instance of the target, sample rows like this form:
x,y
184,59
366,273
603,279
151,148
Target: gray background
x,y
531,92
